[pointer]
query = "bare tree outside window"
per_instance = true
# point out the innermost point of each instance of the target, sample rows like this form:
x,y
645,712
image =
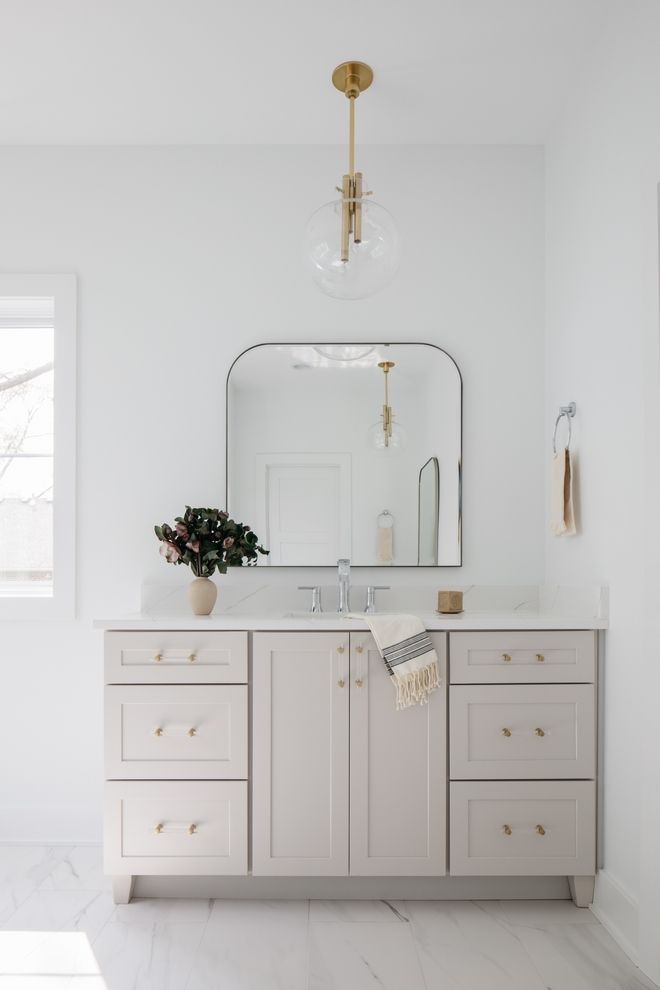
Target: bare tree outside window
x,y
26,451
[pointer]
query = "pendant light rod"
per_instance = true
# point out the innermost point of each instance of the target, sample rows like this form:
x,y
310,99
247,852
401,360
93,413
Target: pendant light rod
x,y
351,78
387,409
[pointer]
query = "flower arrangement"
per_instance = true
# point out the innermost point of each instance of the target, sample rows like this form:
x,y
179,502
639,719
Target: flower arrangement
x,y
208,540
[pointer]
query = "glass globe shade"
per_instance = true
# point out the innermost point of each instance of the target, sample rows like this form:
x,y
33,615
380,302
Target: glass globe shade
x,y
371,265
377,437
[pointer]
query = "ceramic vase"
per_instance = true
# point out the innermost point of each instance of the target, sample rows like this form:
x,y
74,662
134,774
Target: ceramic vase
x,y
202,593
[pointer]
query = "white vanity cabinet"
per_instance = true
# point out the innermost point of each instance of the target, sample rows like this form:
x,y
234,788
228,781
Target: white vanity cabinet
x,y
337,794
276,761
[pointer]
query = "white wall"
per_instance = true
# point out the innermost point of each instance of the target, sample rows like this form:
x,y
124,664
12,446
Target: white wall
x,y
603,166
184,258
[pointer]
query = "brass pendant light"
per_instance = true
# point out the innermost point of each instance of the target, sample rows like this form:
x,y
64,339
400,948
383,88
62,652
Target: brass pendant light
x,y
352,245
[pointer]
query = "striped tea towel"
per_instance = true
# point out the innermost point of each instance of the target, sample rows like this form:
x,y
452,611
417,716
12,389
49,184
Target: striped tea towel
x,y
409,657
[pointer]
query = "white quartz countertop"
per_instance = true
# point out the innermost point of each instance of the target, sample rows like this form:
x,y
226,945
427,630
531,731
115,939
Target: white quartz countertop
x,y
272,607
330,621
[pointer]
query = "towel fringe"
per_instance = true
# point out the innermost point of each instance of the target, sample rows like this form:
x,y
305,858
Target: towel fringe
x,y
414,688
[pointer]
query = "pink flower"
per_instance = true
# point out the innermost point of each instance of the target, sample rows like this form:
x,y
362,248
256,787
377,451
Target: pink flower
x,y
170,552
193,545
182,531
228,542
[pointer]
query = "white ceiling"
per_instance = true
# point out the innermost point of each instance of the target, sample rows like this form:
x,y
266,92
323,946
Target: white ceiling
x,y
254,71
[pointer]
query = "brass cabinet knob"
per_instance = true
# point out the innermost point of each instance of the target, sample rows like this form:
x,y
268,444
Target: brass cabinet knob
x,y
540,658
158,828
157,658
340,649
191,658
506,658
359,649
505,732
506,830
358,682
341,682
192,731
539,830
158,731
539,732
192,829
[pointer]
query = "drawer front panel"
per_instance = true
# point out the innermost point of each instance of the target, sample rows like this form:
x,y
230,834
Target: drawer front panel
x,y
177,731
176,827
176,657
522,731
522,657
516,828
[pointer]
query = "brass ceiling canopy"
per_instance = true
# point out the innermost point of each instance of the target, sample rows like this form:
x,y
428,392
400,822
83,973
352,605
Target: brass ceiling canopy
x,y
352,78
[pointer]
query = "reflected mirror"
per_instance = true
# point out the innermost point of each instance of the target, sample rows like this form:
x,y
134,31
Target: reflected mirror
x,y
347,450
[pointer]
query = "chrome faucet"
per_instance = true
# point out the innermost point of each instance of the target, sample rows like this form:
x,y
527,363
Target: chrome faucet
x,y
344,578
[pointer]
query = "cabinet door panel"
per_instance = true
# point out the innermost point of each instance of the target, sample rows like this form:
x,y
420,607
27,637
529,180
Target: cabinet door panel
x,y
300,754
398,771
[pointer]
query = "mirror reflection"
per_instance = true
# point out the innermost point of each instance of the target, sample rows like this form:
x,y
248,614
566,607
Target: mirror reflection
x,y
347,450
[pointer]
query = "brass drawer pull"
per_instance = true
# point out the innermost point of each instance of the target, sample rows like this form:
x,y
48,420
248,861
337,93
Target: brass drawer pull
x,y
540,658
358,682
191,658
506,658
507,830
158,828
158,731
192,829
539,830
340,649
341,682
505,732
359,649
539,732
158,657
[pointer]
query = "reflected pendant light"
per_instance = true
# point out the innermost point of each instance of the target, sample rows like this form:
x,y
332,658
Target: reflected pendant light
x,y
351,244
387,434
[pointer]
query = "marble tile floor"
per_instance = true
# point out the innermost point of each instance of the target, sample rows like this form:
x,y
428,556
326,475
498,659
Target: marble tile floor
x,y
59,929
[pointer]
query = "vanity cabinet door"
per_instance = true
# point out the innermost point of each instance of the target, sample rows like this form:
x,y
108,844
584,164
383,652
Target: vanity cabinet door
x,y
300,754
398,771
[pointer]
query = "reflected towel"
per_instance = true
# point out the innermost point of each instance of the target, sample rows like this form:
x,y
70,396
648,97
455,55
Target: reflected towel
x,y
408,654
562,520
385,544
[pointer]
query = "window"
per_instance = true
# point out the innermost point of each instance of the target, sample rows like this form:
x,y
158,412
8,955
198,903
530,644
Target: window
x,y
37,446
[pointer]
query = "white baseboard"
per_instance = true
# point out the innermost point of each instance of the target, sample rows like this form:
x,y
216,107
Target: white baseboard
x,y
618,912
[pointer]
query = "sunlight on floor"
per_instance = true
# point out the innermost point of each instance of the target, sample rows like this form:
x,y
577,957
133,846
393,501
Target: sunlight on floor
x,y
50,960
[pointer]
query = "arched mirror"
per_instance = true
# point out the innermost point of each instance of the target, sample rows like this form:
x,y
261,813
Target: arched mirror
x,y
347,450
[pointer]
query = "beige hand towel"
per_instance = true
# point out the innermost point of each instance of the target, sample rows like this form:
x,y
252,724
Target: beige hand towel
x,y
562,520
385,544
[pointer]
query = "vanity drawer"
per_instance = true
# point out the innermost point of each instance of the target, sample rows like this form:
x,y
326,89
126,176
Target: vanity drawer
x,y
520,731
517,828
522,657
176,828
176,657
176,731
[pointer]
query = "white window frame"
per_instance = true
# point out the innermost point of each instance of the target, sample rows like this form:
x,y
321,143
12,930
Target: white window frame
x,y
62,603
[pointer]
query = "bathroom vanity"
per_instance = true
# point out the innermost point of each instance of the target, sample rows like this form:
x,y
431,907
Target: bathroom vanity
x,y
266,755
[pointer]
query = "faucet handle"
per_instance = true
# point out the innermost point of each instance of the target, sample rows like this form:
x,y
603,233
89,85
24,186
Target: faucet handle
x,y
371,596
316,596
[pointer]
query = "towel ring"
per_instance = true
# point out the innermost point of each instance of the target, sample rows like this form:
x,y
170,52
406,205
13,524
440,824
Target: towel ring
x,y
569,412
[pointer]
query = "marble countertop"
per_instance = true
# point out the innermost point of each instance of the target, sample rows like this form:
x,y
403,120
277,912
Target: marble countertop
x,y
330,621
269,607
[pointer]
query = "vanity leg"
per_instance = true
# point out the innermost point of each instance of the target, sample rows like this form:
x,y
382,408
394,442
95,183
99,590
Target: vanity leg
x,y
122,889
582,890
